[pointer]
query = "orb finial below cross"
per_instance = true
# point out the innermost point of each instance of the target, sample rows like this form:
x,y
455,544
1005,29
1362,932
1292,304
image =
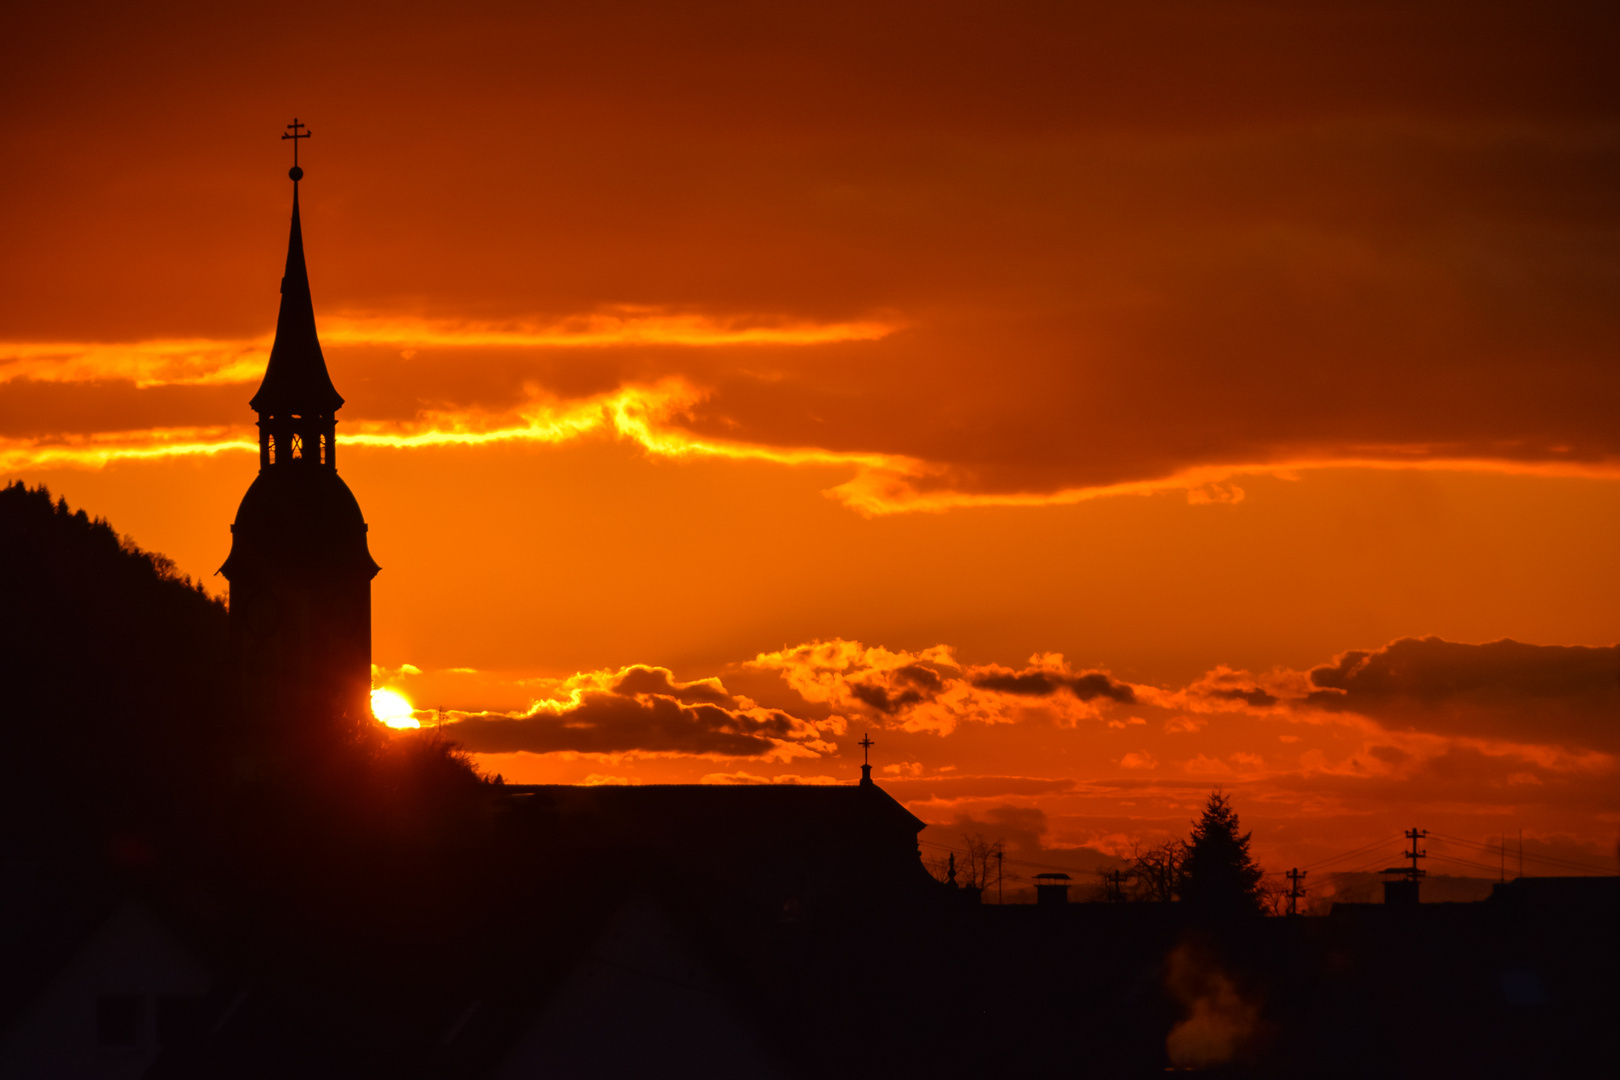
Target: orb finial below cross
x,y
296,131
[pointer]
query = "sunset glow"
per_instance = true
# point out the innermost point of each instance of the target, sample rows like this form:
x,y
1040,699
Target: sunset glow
x,y
1045,532
1093,406
391,707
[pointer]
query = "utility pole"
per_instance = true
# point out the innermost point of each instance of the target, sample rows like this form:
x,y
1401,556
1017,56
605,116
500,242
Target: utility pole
x,y
1295,876
1116,886
1397,891
1415,835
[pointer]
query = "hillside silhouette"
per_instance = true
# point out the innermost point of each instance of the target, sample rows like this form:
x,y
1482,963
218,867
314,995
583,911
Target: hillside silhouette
x,y
113,689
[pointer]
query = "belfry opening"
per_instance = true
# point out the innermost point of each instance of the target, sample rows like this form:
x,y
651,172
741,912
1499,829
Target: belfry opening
x,y
300,569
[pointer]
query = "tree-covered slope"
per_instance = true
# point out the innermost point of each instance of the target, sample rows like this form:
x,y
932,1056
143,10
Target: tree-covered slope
x,y
112,665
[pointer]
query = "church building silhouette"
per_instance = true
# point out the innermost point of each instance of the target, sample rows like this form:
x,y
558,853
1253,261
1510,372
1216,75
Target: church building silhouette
x,y
299,568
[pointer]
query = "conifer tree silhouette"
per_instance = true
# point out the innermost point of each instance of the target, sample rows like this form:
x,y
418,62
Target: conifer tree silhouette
x,y
1218,877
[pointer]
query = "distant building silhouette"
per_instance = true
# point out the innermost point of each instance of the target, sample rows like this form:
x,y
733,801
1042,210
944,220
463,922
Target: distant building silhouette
x,y
1052,888
767,851
299,567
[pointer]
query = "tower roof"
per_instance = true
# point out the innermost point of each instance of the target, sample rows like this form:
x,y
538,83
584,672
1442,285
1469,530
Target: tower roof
x,y
296,380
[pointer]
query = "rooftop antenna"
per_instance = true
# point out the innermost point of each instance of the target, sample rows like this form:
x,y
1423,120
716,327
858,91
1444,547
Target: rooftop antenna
x,y
294,130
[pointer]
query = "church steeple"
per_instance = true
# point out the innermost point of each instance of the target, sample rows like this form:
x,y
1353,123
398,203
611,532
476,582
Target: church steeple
x,y
299,567
296,401
296,379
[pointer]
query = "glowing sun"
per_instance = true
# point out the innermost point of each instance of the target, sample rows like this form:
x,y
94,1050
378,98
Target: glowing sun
x,y
392,708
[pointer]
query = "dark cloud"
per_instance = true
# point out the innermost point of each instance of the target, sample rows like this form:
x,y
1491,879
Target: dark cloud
x,y
1022,828
1255,696
645,710
882,700
925,677
1551,694
908,685
609,724
1038,682
1391,755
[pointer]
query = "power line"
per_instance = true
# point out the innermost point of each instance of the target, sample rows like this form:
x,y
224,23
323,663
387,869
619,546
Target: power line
x,y
1366,868
1348,854
1550,860
1330,860
1462,862
1489,849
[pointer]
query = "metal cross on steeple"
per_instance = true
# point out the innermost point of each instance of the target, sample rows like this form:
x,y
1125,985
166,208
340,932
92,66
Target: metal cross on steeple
x,y
297,132
866,745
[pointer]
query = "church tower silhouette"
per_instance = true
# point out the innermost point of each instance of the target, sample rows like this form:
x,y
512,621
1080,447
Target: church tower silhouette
x,y
299,569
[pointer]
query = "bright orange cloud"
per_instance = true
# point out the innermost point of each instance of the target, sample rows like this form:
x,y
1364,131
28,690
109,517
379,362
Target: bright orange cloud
x,y
205,362
656,416
636,413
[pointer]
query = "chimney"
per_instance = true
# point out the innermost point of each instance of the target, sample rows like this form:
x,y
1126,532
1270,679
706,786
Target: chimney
x,y
1401,892
1052,888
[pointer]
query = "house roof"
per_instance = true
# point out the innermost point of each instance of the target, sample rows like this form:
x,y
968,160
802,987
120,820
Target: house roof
x,y
732,807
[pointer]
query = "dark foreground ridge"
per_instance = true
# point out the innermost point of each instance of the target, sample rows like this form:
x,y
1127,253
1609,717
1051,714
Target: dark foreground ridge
x,y
185,895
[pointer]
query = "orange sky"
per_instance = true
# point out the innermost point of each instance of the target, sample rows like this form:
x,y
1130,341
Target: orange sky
x,y
1196,344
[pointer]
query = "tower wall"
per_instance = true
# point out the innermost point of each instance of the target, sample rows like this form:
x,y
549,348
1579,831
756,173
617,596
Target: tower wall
x,y
302,650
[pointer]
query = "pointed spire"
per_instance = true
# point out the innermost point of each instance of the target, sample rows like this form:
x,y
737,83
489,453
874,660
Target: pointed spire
x,y
296,380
